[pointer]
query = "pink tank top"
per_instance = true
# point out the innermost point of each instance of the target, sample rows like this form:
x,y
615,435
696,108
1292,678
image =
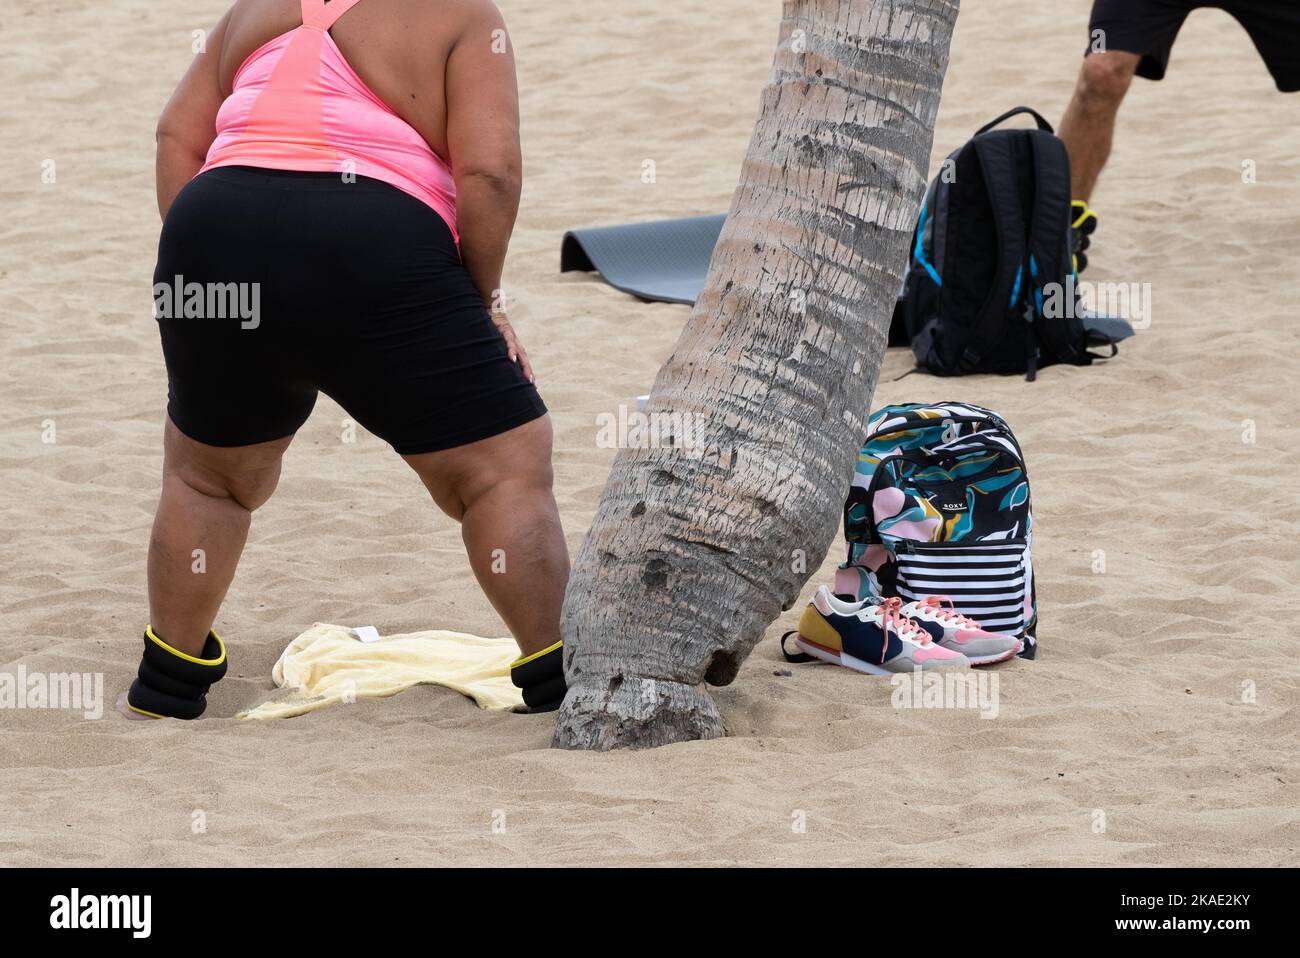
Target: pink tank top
x,y
298,105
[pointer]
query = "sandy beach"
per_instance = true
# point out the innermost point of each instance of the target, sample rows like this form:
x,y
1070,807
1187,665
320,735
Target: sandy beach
x,y
1164,705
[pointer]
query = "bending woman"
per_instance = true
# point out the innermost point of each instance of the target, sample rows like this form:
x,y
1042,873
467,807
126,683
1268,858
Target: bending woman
x,y
340,179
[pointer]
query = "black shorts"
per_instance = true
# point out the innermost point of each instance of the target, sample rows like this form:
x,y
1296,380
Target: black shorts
x,y
1148,27
271,286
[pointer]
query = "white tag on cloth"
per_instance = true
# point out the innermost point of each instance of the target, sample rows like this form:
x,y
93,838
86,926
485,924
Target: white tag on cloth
x,y
366,633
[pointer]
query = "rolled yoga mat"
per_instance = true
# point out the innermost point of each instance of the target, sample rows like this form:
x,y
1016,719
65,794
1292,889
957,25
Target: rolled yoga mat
x,y
664,261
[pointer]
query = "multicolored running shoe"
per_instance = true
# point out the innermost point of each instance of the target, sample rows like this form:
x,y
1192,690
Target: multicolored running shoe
x,y
958,633
871,636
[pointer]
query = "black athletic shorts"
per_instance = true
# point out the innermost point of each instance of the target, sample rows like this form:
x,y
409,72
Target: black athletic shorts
x,y
1148,27
271,286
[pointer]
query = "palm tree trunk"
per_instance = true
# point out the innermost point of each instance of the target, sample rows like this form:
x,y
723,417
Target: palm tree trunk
x,y
702,538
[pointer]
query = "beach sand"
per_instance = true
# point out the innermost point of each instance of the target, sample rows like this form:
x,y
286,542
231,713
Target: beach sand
x,y
1158,725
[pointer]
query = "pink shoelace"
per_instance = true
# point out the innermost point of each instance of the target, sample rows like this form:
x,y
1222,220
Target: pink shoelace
x,y
943,608
891,616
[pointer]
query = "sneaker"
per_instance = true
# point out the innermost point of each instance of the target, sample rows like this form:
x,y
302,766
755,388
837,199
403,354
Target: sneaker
x,y
958,633
1083,222
871,636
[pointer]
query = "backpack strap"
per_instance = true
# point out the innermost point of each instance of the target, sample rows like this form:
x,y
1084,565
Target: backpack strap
x,y
1114,349
1049,226
1049,243
795,657
998,165
1017,111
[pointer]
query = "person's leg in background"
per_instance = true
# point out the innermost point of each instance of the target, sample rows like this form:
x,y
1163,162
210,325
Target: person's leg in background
x,y
499,489
1088,127
1125,38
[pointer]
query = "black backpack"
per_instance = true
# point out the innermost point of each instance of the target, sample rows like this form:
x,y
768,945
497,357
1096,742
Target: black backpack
x,y
992,236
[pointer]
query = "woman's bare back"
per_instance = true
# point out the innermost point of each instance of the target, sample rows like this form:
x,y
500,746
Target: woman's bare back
x,y
398,47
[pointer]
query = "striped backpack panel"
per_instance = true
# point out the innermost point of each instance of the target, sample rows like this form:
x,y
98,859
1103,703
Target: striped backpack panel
x,y
940,505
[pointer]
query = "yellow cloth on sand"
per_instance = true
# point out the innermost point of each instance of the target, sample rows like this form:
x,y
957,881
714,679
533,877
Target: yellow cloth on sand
x,y
328,664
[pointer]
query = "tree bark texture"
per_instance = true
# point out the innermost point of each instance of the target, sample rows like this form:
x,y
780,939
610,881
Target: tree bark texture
x,y
707,533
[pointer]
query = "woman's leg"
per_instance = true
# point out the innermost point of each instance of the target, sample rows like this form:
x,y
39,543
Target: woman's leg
x,y
208,497
499,489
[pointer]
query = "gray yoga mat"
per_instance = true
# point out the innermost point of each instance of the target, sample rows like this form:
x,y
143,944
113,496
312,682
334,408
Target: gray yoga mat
x,y
664,261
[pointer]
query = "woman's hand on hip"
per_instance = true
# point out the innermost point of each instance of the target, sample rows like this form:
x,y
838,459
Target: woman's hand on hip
x,y
513,347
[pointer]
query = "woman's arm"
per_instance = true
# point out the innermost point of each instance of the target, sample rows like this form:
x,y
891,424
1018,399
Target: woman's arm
x,y
188,124
483,139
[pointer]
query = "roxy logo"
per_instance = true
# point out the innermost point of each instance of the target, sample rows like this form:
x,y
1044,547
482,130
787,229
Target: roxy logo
x,y
75,911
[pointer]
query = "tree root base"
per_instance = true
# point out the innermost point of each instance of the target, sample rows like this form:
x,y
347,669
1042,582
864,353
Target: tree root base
x,y
636,712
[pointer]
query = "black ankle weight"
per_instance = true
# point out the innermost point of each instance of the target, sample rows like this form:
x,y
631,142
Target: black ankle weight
x,y
171,684
541,677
